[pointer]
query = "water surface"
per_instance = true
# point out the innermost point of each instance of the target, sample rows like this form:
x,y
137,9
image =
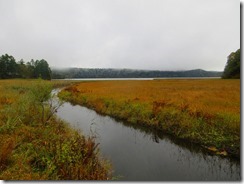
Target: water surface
x,y
161,78
138,154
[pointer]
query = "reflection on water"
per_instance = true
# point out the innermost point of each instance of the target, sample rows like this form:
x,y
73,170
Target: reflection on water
x,y
140,154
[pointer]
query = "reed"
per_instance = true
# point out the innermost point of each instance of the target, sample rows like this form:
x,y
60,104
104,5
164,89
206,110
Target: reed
x,y
206,112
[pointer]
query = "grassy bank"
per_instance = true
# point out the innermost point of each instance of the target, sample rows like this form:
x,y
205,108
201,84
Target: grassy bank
x,y
206,112
37,146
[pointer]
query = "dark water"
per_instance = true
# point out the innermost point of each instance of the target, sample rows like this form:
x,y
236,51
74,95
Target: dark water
x,y
139,154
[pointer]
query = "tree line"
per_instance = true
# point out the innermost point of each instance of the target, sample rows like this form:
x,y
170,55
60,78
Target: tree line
x,y
128,73
231,71
9,68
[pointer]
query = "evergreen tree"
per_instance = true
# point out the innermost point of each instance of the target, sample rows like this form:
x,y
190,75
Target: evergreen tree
x,y
42,70
8,67
33,69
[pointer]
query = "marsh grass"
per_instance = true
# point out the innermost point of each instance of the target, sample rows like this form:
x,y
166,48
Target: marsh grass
x,y
36,145
206,112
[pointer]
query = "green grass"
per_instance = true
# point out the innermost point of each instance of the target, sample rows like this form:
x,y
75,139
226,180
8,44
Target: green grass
x,y
36,145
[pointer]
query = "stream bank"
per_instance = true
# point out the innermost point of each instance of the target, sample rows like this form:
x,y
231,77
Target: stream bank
x,y
140,155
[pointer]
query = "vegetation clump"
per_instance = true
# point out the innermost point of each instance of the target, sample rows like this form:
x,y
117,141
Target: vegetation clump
x,y
37,146
206,112
232,68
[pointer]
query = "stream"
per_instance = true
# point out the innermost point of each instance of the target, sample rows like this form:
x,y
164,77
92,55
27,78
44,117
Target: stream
x,y
138,154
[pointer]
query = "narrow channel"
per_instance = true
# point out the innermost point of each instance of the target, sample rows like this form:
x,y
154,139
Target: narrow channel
x,y
137,154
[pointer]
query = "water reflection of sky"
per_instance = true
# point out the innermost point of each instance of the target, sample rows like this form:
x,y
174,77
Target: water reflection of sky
x,y
140,155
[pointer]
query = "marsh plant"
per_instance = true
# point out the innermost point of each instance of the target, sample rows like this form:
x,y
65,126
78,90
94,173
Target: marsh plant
x,y
38,146
206,112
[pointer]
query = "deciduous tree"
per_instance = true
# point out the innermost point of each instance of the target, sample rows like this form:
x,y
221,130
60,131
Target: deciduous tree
x,y
232,68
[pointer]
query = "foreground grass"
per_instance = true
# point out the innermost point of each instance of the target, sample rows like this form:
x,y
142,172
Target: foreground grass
x,y
37,146
206,112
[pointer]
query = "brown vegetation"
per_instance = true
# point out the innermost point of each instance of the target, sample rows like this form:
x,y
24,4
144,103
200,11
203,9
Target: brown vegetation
x,y
206,112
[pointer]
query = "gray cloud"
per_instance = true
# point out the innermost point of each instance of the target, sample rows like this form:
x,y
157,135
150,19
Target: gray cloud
x,y
142,34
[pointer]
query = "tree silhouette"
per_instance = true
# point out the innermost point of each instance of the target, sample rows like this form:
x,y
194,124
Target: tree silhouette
x,y
42,70
232,68
8,67
33,69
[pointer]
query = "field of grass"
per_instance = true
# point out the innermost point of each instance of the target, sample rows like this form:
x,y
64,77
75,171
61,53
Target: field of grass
x,y
206,112
37,146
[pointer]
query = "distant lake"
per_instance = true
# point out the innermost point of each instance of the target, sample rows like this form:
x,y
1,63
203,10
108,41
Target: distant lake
x,y
101,79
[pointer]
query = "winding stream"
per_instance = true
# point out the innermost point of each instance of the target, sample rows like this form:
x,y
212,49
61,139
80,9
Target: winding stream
x,y
137,154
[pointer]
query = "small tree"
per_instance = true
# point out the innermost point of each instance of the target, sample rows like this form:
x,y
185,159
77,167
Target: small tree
x,y
41,101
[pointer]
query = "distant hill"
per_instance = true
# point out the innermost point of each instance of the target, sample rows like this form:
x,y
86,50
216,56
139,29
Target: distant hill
x,y
128,73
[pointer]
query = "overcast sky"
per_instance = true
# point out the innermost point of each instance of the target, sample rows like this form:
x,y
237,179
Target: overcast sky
x,y
137,34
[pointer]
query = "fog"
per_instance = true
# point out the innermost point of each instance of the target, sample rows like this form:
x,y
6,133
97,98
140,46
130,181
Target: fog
x,y
136,34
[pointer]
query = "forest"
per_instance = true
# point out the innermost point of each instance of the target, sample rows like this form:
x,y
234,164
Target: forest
x,y
128,73
10,69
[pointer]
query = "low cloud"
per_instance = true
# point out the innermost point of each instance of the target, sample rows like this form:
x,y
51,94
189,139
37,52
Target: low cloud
x,y
138,34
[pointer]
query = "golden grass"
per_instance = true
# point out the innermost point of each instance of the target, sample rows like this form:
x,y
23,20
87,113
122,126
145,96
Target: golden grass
x,y
210,105
210,96
33,150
